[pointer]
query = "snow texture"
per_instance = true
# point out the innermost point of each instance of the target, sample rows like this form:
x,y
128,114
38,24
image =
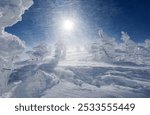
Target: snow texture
x,y
79,79
10,45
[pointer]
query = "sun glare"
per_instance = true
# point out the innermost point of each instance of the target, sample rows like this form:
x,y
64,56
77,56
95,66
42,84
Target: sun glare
x,y
68,25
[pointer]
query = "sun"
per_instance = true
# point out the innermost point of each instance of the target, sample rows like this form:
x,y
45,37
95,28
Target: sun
x,y
68,25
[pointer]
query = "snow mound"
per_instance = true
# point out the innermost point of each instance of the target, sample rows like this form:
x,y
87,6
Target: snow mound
x,y
34,85
10,45
119,80
68,75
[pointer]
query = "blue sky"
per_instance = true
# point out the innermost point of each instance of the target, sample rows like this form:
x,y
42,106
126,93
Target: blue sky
x,y
40,22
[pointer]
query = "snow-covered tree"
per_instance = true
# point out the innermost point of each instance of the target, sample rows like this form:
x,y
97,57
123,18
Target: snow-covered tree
x,y
60,50
39,52
107,50
103,49
146,52
147,44
132,52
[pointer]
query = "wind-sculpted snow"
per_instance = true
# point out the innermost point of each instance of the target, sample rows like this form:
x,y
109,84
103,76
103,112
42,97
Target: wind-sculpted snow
x,y
38,52
10,45
11,11
34,85
22,73
103,82
25,71
76,77
32,79
81,81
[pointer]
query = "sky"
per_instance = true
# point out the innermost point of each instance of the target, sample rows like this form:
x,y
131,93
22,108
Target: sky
x,y
42,22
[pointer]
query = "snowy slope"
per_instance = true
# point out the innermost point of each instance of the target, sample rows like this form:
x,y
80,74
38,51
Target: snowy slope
x,y
75,77
102,68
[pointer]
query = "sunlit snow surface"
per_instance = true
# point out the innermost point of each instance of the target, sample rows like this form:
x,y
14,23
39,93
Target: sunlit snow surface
x,y
78,76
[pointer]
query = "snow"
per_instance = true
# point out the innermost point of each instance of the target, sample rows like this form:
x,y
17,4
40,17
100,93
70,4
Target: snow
x,y
10,45
79,78
35,84
11,12
68,90
100,69
76,75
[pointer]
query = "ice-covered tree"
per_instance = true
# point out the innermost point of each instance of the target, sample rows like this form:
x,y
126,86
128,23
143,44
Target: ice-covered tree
x,y
107,50
60,50
39,52
132,52
147,44
145,47
103,49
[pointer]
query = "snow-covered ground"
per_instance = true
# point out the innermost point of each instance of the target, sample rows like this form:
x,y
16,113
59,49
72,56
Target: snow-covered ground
x,y
100,68
78,76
